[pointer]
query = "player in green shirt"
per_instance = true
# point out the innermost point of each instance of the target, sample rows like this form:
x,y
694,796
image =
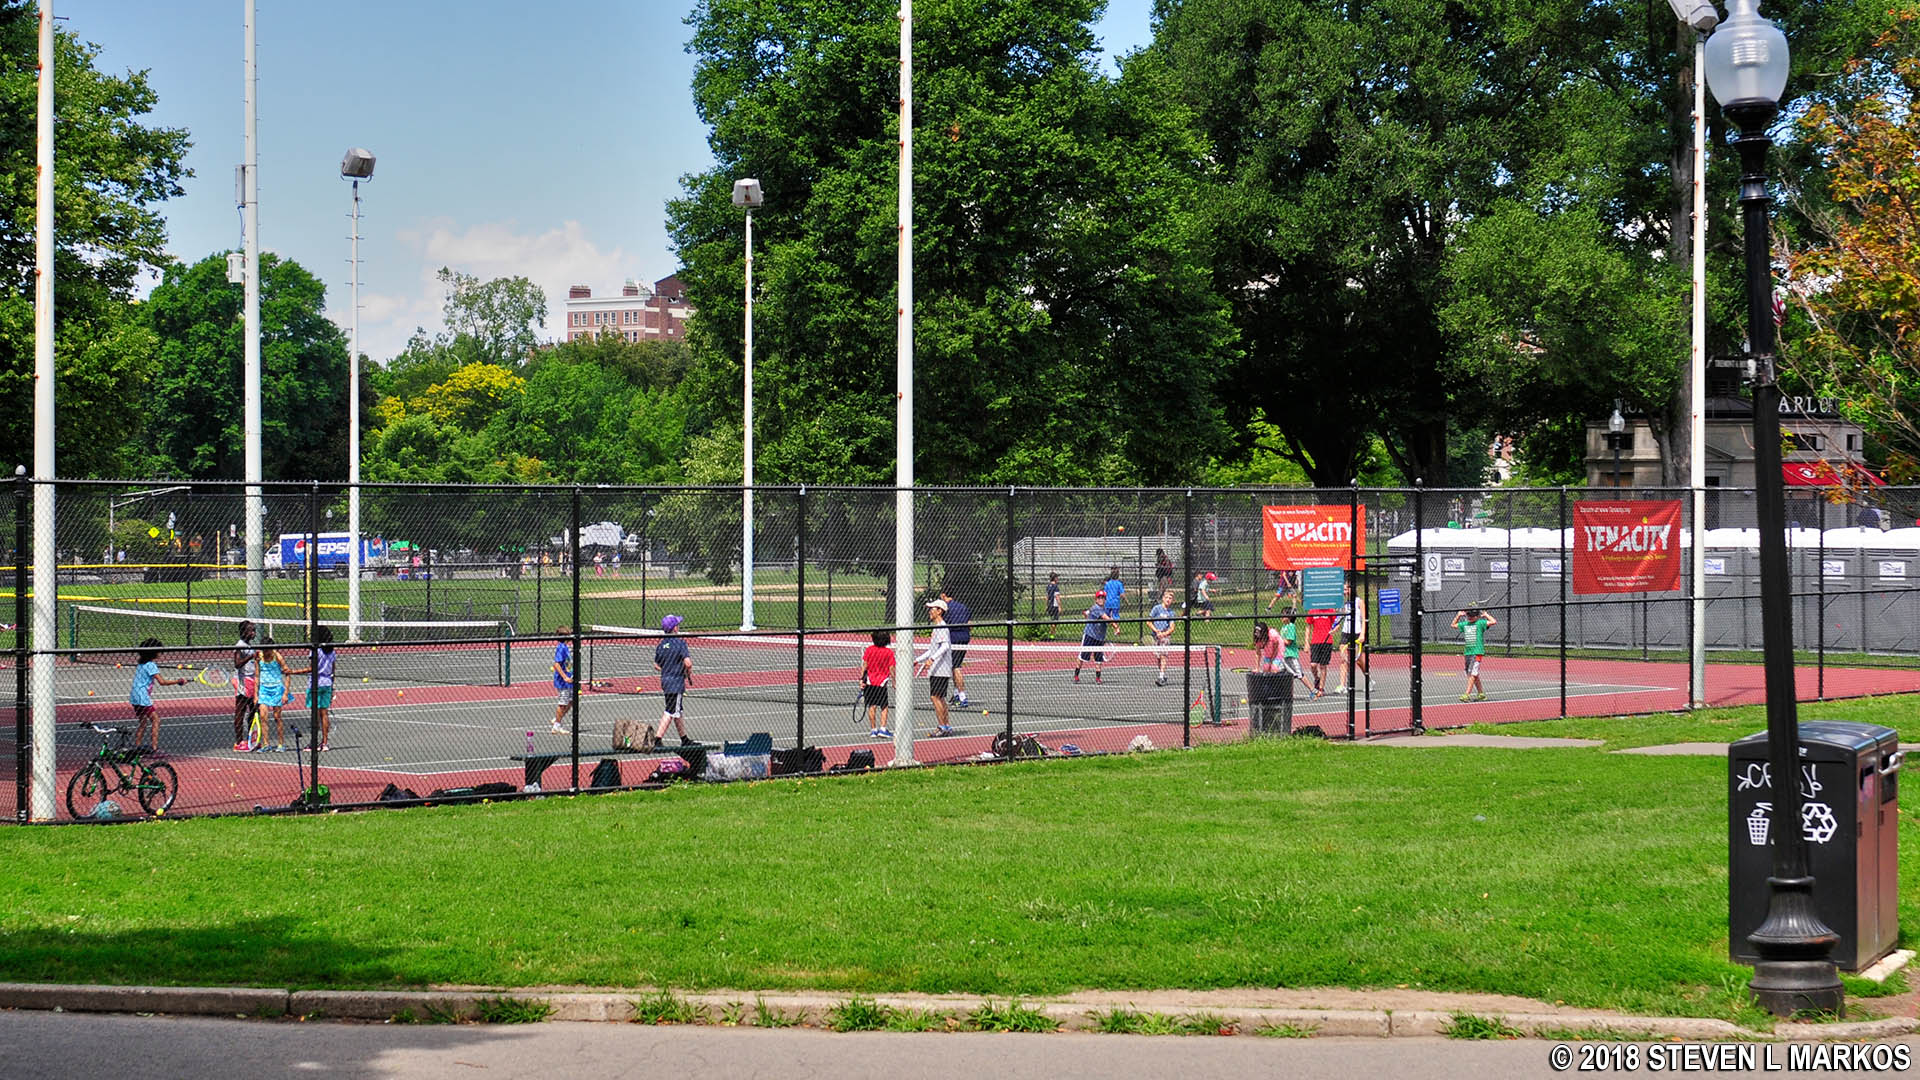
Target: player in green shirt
x,y
1474,623
1290,647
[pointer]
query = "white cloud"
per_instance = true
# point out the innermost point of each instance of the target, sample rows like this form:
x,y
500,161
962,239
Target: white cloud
x,y
552,260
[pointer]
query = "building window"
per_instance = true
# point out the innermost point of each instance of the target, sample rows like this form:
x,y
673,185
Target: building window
x,y
1853,443
1794,440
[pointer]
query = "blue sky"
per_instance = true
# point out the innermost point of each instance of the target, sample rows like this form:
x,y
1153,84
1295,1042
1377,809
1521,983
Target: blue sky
x,y
511,138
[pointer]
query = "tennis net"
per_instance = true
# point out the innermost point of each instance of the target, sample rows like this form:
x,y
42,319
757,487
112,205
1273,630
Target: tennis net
x,y
1128,683
445,653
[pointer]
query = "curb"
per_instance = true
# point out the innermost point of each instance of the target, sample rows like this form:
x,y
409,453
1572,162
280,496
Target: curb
x,y
432,1006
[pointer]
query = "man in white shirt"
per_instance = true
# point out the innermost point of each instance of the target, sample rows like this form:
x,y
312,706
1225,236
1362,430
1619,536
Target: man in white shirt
x,y
937,664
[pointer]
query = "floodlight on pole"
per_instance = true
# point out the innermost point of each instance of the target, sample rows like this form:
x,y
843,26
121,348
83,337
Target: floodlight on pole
x,y
46,625
251,424
747,195
1747,63
904,611
356,166
1698,14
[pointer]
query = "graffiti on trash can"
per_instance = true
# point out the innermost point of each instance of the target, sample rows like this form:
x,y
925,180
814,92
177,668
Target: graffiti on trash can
x,y
1759,775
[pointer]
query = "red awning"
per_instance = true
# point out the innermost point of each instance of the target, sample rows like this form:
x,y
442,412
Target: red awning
x,y
1823,474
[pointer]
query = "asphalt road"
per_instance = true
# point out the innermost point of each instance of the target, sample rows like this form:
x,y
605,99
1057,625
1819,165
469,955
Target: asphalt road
x,y
37,1045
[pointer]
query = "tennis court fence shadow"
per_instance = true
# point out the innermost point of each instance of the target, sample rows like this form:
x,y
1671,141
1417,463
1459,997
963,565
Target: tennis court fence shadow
x,y
494,640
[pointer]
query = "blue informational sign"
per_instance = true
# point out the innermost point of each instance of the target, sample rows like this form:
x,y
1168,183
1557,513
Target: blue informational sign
x,y
1323,587
1389,601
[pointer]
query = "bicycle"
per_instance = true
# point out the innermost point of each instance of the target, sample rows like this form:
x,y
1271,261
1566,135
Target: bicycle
x,y
117,767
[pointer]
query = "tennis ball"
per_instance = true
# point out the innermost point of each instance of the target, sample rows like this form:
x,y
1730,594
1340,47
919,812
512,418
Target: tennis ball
x,y
399,693
1120,528
89,693
983,712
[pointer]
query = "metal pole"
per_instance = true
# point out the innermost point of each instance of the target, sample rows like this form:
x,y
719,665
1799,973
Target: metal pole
x,y
46,630
313,631
1795,971
573,684
1697,379
22,508
1563,601
1353,616
250,376
1186,622
746,472
353,437
646,553
800,619
1820,613
1010,595
1416,674
903,405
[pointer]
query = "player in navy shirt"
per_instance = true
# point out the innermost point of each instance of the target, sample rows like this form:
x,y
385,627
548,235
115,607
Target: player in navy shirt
x,y
959,633
671,659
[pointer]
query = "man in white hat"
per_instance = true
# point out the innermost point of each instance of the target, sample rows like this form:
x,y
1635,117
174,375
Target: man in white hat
x,y
937,663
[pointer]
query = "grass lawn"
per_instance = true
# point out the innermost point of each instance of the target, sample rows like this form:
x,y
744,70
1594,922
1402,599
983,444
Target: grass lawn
x,y
1567,875
1714,725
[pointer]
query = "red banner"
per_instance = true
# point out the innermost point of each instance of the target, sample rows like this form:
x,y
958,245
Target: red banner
x,y
1296,536
1626,546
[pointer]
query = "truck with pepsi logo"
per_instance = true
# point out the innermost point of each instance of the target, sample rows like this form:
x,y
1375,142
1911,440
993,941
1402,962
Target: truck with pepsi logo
x,y
334,551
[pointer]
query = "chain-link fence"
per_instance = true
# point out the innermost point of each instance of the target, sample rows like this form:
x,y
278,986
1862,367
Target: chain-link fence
x,y
467,642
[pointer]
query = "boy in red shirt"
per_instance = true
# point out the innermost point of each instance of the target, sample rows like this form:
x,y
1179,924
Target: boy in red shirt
x,y
876,660
1320,642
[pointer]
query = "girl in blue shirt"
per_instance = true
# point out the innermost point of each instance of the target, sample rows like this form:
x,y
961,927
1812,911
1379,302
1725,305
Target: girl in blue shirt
x,y
147,731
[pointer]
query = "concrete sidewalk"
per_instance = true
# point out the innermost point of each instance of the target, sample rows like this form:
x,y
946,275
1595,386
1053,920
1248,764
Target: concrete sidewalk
x,y
1327,1012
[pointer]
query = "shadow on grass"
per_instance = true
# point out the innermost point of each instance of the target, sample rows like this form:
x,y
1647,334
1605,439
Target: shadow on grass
x,y
272,952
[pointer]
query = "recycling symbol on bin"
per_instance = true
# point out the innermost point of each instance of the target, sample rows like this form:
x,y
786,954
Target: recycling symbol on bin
x,y
1817,822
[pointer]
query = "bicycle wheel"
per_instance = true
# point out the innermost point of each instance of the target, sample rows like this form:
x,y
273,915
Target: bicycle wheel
x,y
158,786
87,792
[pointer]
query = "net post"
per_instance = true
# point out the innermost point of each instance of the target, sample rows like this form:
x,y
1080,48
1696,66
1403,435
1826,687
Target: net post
x,y
313,634
573,657
1010,598
1186,622
22,508
800,619
1563,601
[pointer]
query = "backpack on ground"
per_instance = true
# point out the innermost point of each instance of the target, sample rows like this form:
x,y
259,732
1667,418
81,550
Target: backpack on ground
x,y
605,775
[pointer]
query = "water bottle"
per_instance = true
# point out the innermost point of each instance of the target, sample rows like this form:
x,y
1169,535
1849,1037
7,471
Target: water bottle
x,y
529,743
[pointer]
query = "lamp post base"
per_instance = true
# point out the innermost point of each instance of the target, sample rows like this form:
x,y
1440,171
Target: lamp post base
x,y
1796,973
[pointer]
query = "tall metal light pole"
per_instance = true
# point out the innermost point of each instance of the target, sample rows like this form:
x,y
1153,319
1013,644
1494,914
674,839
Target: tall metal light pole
x,y
250,372
1701,17
356,166
904,614
1747,67
747,195
46,628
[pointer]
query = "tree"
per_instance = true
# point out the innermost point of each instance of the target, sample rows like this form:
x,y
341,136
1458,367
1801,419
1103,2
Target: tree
x,y
1858,286
1065,327
110,174
493,321
197,406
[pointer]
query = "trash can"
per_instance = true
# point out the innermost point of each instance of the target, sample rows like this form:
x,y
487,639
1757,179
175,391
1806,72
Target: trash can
x,y
1269,703
1850,795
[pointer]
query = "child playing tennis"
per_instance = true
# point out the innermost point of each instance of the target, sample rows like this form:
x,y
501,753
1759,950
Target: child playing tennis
x,y
671,659
1266,645
876,663
245,711
147,732
322,702
1473,624
273,696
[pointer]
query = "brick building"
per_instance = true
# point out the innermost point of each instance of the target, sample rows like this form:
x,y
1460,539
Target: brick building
x,y
638,314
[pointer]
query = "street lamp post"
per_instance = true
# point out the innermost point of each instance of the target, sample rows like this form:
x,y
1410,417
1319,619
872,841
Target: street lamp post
x,y
1747,71
1616,427
747,195
356,166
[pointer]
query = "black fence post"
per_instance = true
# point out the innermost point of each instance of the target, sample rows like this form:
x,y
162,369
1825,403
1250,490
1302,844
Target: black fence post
x,y
800,619
1186,624
1564,555
573,658
313,637
22,507
1010,598
1415,671
426,562
1820,614
190,571
1353,652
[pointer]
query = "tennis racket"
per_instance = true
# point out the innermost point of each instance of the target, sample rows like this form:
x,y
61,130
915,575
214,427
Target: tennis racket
x,y
217,678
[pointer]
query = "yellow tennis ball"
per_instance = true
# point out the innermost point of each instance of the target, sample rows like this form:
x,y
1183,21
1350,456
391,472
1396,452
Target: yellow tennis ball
x,y
983,712
89,693
399,693
363,678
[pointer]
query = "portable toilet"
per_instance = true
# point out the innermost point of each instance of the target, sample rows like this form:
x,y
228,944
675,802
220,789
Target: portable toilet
x,y
1892,619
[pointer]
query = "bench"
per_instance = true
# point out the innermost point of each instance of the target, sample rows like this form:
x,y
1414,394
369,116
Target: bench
x,y
537,764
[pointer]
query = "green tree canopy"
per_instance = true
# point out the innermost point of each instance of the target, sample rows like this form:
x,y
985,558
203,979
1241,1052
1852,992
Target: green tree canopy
x,y
1066,330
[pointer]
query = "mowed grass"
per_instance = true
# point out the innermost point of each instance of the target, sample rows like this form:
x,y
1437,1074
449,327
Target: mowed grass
x,y
1898,711
1566,875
